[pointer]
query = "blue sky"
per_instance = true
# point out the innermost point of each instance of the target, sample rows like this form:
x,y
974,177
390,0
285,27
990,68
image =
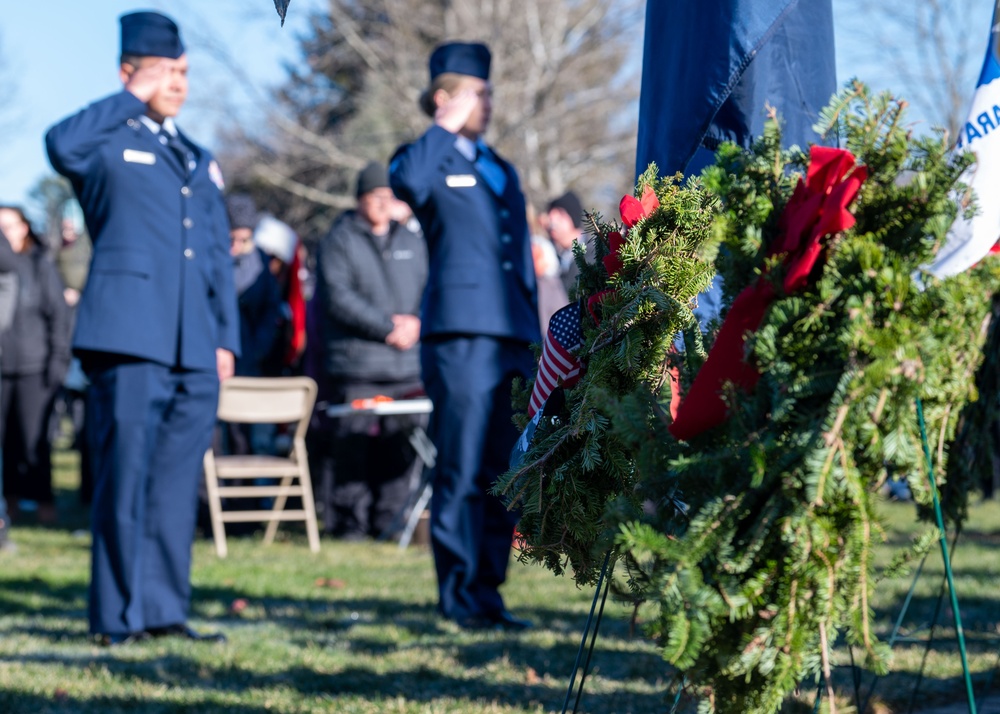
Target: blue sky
x,y
63,54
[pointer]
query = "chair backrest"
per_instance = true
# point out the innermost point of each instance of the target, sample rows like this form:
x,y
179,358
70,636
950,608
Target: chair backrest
x,y
268,400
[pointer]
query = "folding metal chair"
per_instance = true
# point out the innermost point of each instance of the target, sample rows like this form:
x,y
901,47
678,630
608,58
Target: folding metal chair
x,y
264,400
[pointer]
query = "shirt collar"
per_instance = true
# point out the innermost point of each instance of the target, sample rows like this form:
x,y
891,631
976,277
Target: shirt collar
x,y
168,125
466,147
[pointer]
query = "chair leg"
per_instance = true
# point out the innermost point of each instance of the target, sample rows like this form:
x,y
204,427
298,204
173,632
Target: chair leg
x,y
215,504
279,506
308,503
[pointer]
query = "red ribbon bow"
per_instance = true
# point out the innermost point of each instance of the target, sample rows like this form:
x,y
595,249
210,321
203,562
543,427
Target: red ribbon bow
x,y
632,211
817,208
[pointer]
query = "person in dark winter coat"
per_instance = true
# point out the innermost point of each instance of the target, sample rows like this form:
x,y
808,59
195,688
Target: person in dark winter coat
x,y
8,303
261,324
34,357
259,297
371,276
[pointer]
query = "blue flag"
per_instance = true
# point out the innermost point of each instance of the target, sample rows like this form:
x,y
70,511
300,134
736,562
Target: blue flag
x,y
970,240
282,7
710,67
709,70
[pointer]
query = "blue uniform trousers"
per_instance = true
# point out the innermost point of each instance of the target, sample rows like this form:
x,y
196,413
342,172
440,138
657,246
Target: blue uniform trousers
x,y
468,378
148,427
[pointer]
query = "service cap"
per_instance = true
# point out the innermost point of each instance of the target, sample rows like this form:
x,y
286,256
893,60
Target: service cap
x,y
470,58
150,34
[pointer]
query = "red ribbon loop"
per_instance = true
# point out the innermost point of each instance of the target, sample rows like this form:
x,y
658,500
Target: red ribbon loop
x,y
634,210
817,208
612,261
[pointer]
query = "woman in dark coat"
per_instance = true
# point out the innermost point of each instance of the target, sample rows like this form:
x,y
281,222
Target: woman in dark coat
x,y
261,318
34,356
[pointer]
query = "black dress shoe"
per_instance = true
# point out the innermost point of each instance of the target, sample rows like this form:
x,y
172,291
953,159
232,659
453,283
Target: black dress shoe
x,y
477,623
121,639
504,620
497,622
182,630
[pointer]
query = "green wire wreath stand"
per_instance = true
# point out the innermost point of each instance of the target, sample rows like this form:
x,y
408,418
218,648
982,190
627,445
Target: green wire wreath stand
x,y
604,581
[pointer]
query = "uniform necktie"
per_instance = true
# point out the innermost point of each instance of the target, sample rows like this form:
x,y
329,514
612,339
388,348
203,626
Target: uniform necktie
x,y
492,173
182,151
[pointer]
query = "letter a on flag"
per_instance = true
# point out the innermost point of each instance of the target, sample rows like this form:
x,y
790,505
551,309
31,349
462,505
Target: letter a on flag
x,y
970,240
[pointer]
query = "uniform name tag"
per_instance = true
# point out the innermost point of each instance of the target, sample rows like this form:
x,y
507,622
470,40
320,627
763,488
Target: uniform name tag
x,y
134,156
460,180
402,254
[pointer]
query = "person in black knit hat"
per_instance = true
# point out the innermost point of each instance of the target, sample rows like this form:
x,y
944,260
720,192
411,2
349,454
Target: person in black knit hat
x,y
371,272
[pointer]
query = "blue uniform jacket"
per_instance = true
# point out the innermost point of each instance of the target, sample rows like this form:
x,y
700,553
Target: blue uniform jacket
x,y
161,280
481,277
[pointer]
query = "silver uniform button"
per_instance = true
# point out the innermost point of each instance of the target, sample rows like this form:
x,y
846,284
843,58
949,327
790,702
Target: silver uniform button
x,y
505,238
188,253
185,191
131,123
188,223
163,139
507,265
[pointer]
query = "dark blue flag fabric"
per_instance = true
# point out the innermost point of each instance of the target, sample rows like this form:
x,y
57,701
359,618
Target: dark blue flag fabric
x,y
710,67
282,7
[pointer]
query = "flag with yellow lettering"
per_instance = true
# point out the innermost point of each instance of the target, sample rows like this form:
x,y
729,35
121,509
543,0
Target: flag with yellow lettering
x,y
970,240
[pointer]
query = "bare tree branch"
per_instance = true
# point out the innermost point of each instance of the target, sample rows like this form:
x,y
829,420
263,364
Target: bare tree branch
x,y
565,74
930,49
324,198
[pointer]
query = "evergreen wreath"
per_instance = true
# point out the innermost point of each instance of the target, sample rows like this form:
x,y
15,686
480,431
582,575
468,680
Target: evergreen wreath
x,y
751,543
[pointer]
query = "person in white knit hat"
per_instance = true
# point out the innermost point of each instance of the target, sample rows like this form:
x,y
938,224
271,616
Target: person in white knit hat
x,y
281,244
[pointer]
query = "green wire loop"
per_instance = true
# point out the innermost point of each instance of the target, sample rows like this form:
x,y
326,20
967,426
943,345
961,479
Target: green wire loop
x,y
947,561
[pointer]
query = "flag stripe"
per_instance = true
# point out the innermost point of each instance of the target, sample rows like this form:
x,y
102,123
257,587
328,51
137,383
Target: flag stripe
x,y
558,364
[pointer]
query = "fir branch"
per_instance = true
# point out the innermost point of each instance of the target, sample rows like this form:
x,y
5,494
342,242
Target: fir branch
x,y
771,553
831,694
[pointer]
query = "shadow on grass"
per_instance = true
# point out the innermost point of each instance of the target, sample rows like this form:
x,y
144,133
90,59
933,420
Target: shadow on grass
x,y
980,614
38,597
60,703
327,621
331,622
420,684
20,596
328,612
896,691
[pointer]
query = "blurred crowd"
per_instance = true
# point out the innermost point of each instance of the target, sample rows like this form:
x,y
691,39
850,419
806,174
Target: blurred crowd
x,y
436,282
319,312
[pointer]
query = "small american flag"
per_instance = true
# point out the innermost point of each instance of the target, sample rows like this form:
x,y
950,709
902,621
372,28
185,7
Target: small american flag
x,y
559,364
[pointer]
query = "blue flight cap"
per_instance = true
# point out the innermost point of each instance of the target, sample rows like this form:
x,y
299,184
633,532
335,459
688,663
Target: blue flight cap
x,y
470,58
150,34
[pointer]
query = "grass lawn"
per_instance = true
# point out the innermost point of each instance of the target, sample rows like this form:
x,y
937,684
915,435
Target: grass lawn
x,y
976,565
353,629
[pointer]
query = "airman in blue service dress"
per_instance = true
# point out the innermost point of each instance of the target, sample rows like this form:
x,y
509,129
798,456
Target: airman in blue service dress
x,y
156,328
479,318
